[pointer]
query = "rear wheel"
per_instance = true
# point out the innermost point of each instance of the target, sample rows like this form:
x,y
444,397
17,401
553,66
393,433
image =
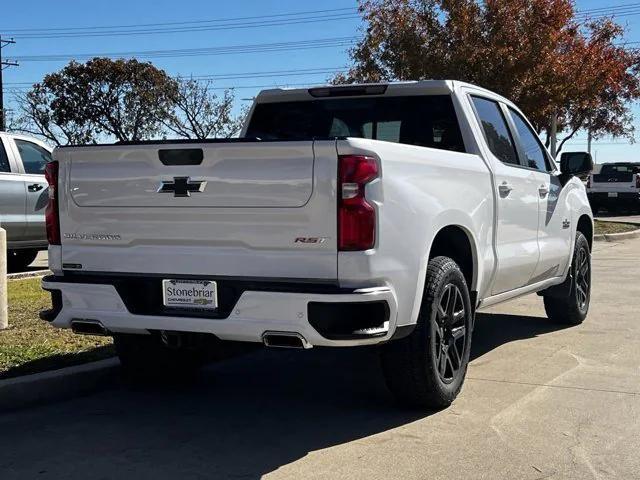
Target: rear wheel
x,y
428,367
18,260
572,309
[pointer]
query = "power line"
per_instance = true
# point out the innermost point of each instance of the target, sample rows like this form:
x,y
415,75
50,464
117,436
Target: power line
x,y
234,76
609,8
194,28
190,52
251,22
308,12
4,64
606,12
243,87
93,28
289,15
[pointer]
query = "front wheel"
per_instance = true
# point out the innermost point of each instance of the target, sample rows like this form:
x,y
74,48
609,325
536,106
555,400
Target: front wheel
x,y
572,309
427,368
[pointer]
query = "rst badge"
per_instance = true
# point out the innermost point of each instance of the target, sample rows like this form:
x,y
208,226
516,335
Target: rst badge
x,y
310,240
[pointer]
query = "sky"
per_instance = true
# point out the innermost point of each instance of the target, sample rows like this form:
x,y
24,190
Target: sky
x,y
311,42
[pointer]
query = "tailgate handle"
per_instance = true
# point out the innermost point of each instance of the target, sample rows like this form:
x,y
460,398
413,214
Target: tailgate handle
x,y
181,156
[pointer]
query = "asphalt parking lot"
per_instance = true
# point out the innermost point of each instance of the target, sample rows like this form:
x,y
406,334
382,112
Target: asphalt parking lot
x,y
540,401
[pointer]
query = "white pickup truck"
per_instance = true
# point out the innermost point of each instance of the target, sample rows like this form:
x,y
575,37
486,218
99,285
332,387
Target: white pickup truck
x,y
344,216
617,185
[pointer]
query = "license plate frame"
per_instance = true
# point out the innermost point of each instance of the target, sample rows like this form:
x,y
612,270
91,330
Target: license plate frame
x,y
190,294
612,194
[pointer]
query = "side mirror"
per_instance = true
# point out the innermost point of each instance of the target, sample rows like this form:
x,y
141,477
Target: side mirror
x,y
576,164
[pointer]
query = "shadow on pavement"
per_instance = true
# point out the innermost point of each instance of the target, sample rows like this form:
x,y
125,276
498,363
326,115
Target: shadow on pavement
x,y
242,418
494,329
22,270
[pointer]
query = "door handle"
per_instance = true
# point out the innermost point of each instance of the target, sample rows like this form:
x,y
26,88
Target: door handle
x,y
505,189
543,190
36,187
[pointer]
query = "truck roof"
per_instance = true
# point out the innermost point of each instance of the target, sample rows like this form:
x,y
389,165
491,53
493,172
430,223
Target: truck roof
x,y
416,87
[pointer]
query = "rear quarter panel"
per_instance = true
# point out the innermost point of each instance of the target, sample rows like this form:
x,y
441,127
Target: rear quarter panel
x,y
420,191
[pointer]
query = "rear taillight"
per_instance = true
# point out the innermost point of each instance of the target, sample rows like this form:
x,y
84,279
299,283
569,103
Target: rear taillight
x,y
637,180
356,217
52,219
589,181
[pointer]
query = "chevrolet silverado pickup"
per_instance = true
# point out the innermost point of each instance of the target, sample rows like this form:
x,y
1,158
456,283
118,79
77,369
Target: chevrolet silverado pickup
x,y
344,215
617,185
23,197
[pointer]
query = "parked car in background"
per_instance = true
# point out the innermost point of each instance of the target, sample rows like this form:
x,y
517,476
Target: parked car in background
x,y
617,185
352,215
23,197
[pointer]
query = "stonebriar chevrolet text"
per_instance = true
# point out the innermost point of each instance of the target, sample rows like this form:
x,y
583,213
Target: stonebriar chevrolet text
x,y
354,215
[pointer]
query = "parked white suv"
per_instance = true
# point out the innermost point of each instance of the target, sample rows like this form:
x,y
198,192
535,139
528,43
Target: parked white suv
x,y
23,197
354,215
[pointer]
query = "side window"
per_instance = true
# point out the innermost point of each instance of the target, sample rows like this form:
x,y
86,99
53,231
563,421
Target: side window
x,y
4,160
34,157
530,144
495,130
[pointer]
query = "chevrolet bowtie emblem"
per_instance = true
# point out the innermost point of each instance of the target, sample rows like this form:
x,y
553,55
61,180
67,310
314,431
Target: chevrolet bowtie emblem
x,y
182,186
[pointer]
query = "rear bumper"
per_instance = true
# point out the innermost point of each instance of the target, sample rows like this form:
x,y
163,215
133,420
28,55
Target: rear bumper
x,y
603,198
248,317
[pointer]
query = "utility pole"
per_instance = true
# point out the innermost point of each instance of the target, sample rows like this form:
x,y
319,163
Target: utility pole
x,y
4,64
4,318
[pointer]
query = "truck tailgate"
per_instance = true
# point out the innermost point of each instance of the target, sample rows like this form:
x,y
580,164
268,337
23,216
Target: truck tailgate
x,y
216,209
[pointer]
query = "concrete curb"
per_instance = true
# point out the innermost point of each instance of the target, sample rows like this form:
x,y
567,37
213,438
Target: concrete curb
x,y
56,385
616,237
21,275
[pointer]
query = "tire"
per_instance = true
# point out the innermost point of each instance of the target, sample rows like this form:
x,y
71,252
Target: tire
x,y
19,260
412,366
573,308
149,357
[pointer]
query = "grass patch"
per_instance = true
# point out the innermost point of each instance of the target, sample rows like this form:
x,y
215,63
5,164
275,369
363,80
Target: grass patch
x,y
31,345
613,227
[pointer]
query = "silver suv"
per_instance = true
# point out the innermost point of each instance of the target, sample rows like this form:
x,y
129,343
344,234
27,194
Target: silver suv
x,y
23,197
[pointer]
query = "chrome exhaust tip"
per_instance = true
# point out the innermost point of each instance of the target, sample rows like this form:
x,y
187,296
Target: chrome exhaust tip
x,y
88,327
285,340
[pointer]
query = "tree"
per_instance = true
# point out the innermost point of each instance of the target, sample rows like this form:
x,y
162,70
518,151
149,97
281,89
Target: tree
x,y
198,113
83,102
534,52
36,116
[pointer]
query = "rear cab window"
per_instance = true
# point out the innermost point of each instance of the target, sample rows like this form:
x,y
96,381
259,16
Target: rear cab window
x,y
619,169
426,120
